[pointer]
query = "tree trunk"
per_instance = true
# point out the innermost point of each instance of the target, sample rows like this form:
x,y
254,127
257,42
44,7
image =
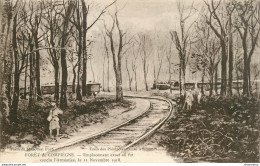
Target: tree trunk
x,y
25,78
14,108
6,77
180,78
84,74
129,76
93,73
78,90
145,81
245,72
32,96
103,76
223,69
237,73
216,80
74,79
37,67
211,84
64,70
249,78
230,50
108,73
203,75
135,80
80,75
64,75
56,80
170,74
84,48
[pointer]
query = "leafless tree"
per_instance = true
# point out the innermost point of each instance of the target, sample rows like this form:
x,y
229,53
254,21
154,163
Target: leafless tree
x,y
130,76
161,51
217,22
117,53
19,56
145,45
74,63
135,52
248,27
67,11
108,60
80,21
206,52
52,24
182,41
169,55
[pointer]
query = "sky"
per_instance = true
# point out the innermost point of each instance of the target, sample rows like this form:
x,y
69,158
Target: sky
x,y
147,15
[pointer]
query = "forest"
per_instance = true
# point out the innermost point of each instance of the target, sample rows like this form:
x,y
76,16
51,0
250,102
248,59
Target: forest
x,y
77,41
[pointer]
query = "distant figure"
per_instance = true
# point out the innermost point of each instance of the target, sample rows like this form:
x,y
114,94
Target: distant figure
x,y
199,96
54,119
189,99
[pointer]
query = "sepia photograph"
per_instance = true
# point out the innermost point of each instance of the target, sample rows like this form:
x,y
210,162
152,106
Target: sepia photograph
x,y
130,81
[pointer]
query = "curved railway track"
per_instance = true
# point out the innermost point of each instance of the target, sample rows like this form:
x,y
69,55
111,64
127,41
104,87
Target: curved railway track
x,y
131,132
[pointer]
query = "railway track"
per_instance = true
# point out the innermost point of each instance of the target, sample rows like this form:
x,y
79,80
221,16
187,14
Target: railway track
x,y
130,133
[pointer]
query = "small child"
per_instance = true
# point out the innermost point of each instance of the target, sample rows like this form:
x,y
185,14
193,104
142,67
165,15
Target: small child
x,y
54,119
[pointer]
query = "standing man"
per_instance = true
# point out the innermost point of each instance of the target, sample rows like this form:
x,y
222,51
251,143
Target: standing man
x,y
199,96
189,99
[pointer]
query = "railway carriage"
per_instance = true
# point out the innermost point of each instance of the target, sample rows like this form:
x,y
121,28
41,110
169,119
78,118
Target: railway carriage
x,y
92,88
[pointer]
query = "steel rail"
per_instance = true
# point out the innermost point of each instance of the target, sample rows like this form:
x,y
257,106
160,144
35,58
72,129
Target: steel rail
x,y
138,140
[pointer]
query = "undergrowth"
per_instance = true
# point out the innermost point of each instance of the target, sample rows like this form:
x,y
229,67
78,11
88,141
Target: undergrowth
x,y
32,125
217,130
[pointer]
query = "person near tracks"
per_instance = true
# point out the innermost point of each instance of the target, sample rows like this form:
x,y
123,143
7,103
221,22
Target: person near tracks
x,y
199,97
189,99
54,119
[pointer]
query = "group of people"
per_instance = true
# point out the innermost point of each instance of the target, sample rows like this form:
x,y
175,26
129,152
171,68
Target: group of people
x,y
189,99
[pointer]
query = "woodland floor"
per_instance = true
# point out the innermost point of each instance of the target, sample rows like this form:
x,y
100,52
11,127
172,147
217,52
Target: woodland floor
x,y
217,130
33,127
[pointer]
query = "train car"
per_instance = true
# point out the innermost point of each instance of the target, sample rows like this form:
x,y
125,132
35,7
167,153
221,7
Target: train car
x,y
162,86
238,84
93,88
174,85
189,85
48,89
206,86
256,88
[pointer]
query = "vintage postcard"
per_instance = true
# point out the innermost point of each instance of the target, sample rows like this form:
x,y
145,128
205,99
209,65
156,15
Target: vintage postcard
x,y
129,81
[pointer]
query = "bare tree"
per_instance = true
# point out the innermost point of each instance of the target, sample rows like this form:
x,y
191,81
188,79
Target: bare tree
x,y
117,53
217,23
80,21
68,10
161,51
108,61
206,52
20,48
248,27
135,52
145,45
74,63
182,41
169,59
52,26
103,73
33,24
130,76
